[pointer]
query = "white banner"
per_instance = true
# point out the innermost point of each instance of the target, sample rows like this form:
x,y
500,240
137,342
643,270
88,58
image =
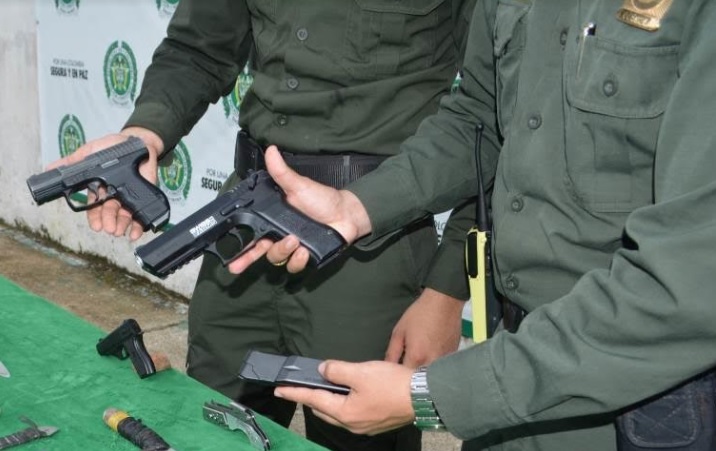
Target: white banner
x,y
92,55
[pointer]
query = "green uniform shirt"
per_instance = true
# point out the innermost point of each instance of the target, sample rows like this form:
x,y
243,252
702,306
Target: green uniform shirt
x,y
604,209
344,75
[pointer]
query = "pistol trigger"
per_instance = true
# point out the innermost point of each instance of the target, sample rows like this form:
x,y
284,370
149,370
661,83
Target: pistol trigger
x,y
235,233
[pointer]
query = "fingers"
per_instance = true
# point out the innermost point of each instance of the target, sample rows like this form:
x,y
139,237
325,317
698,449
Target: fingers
x,y
257,251
289,249
395,348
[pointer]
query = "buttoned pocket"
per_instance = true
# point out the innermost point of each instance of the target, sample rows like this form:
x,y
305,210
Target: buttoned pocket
x,y
508,44
385,38
617,95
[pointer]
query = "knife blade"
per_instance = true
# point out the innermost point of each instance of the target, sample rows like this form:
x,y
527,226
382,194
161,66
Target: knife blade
x,y
4,371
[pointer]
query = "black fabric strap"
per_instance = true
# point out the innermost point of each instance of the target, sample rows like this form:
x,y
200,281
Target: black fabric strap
x,y
336,170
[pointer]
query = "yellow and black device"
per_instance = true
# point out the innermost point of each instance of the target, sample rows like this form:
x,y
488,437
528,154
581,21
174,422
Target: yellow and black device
x,y
486,311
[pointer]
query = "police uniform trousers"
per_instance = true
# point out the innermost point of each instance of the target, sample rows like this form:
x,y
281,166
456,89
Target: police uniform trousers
x,y
346,310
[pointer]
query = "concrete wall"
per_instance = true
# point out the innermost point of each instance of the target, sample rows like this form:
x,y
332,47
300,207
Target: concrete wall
x,y
21,157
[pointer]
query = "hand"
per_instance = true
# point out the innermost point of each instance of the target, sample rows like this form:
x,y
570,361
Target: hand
x,y
430,328
338,209
110,217
379,399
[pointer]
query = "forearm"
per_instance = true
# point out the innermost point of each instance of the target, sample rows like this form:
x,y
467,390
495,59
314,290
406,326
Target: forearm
x,y
207,45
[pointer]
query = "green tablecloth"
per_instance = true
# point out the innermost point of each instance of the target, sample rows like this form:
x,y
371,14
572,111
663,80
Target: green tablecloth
x,y
58,379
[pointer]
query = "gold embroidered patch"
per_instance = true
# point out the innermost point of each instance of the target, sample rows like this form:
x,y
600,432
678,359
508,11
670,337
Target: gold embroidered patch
x,y
644,14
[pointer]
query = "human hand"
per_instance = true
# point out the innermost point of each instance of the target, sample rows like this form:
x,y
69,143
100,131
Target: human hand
x,y
379,399
110,216
339,209
430,328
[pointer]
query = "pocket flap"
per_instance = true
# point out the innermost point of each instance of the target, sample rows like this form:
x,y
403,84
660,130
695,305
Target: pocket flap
x,y
616,80
410,7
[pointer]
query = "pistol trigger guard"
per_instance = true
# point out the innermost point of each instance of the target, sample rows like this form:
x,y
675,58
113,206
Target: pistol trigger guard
x,y
213,250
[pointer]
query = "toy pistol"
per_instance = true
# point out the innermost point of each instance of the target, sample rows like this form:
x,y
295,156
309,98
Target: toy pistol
x,y
126,341
253,209
114,168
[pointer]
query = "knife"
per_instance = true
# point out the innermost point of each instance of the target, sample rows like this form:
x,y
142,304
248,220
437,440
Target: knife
x,y
4,371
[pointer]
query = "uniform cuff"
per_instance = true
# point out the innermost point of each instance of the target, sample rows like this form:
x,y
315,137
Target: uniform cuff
x,y
466,394
159,119
447,273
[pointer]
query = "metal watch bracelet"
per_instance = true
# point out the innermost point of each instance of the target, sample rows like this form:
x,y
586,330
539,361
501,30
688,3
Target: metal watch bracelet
x,y
426,416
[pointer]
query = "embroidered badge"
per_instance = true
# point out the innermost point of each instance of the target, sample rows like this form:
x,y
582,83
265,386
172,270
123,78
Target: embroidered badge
x,y
644,14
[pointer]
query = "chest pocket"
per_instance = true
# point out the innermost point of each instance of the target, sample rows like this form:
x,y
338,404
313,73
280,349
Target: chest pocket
x,y
617,95
389,37
509,40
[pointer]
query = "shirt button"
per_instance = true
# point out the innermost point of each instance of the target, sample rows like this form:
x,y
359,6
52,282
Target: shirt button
x,y
292,83
534,122
609,88
302,34
563,37
517,204
282,120
512,283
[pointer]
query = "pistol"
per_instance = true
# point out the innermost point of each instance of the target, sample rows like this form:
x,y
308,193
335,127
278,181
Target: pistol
x,y
230,224
115,168
126,341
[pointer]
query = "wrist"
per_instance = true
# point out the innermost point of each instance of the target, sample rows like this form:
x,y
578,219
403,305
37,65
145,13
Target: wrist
x,y
356,214
427,417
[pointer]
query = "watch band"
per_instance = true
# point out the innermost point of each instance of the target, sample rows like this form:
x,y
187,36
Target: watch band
x,y
426,415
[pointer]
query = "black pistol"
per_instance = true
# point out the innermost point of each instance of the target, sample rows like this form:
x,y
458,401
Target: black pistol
x,y
126,341
115,168
253,209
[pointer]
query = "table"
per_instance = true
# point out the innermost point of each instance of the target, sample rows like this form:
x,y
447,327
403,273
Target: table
x,y
58,379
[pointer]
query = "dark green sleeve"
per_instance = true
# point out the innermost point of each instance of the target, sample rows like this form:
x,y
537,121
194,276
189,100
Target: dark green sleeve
x,y
446,273
648,317
206,46
435,170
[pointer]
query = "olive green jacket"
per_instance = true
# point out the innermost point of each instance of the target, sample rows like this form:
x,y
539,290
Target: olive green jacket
x,y
604,156
344,75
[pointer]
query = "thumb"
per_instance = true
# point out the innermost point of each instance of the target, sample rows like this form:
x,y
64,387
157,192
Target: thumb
x,y
339,372
283,175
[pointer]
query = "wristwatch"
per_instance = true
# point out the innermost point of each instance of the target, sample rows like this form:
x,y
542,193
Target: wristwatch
x,y
426,416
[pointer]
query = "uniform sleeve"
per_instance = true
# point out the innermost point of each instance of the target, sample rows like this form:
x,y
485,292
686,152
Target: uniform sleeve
x,y
649,317
435,170
207,45
447,273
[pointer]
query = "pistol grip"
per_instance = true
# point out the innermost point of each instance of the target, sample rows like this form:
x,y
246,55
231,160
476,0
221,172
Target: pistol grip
x,y
142,361
148,204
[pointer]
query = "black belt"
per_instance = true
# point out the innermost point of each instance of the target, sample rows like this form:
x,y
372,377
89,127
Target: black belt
x,y
336,170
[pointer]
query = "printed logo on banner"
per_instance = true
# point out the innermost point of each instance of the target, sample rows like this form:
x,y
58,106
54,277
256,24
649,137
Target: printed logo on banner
x,y
232,102
175,178
67,6
167,7
71,135
120,74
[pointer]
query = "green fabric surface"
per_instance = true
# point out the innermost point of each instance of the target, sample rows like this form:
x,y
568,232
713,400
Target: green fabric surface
x,y
58,379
